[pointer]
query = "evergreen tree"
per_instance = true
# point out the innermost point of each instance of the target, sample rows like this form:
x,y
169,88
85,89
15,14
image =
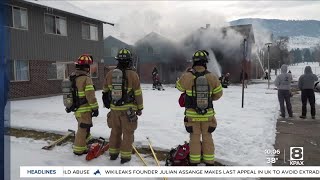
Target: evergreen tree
x,y
297,56
307,55
316,54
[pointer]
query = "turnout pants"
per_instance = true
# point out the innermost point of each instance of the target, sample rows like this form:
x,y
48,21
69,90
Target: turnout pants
x,y
122,133
201,150
246,83
284,96
83,132
308,95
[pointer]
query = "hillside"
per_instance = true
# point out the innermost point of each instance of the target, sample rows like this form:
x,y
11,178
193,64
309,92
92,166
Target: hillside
x,y
310,28
302,33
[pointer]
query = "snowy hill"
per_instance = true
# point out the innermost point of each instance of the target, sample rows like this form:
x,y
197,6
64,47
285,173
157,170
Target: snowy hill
x,y
303,42
310,28
302,34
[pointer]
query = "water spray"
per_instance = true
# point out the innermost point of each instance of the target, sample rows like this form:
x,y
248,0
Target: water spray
x,y
213,64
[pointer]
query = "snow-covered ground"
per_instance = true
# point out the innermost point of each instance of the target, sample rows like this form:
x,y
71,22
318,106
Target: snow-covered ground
x,y
298,69
241,137
28,152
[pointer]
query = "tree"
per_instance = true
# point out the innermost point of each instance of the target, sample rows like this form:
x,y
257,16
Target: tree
x,y
307,55
279,53
316,54
291,57
297,56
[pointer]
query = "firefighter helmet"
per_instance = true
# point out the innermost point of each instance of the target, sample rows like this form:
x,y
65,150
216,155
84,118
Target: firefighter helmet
x,y
124,55
200,55
84,59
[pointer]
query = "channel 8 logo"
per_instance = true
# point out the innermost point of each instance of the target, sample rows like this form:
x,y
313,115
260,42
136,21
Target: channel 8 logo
x,y
296,153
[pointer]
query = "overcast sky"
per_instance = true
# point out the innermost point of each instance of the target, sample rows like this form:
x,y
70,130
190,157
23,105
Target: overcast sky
x,y
134,19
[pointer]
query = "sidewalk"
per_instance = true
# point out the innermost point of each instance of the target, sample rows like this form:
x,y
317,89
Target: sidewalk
x,y
296,132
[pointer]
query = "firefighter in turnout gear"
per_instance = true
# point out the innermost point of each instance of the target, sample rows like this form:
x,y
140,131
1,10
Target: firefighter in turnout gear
x,y
201,88
122,94
87,106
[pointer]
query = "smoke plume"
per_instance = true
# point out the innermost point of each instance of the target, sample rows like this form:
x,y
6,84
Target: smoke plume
x,y
188,32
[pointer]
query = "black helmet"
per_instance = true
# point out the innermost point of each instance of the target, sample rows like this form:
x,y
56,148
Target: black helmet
x,y
124,55
200,56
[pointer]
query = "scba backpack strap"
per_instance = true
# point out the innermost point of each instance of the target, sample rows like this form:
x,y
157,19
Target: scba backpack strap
x,y
201,99
75,93
120,94
71,95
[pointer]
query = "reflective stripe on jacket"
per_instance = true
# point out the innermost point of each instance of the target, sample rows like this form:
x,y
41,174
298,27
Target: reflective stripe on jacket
x,y
133,84
86,90
185,84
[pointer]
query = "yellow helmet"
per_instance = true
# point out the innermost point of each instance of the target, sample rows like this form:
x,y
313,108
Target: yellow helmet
x,y
200,55
124,55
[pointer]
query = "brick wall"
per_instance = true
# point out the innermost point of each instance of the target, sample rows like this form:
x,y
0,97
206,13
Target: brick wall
x,y
39,85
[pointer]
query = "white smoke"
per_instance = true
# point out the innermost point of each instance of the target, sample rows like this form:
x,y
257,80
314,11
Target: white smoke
x,y
227,43
134,25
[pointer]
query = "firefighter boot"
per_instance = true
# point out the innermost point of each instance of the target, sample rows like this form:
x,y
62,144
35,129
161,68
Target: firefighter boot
x,y
207,164
124,160
193,164
80,153
113,157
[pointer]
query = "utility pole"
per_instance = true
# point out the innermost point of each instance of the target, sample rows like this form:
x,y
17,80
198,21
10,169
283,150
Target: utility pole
x,y
256,69
243,67
268,44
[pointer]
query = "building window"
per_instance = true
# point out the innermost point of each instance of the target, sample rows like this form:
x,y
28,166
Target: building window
x,y
19,70
150,50
55,24
56,71
19,18
156,50
94,70
114,51
89,31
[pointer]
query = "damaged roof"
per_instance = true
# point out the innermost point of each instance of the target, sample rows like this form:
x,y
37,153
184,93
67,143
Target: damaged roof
x,y
154,38
245,30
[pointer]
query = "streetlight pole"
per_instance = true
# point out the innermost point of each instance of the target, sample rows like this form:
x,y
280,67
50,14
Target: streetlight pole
x,y
268,44
244,63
